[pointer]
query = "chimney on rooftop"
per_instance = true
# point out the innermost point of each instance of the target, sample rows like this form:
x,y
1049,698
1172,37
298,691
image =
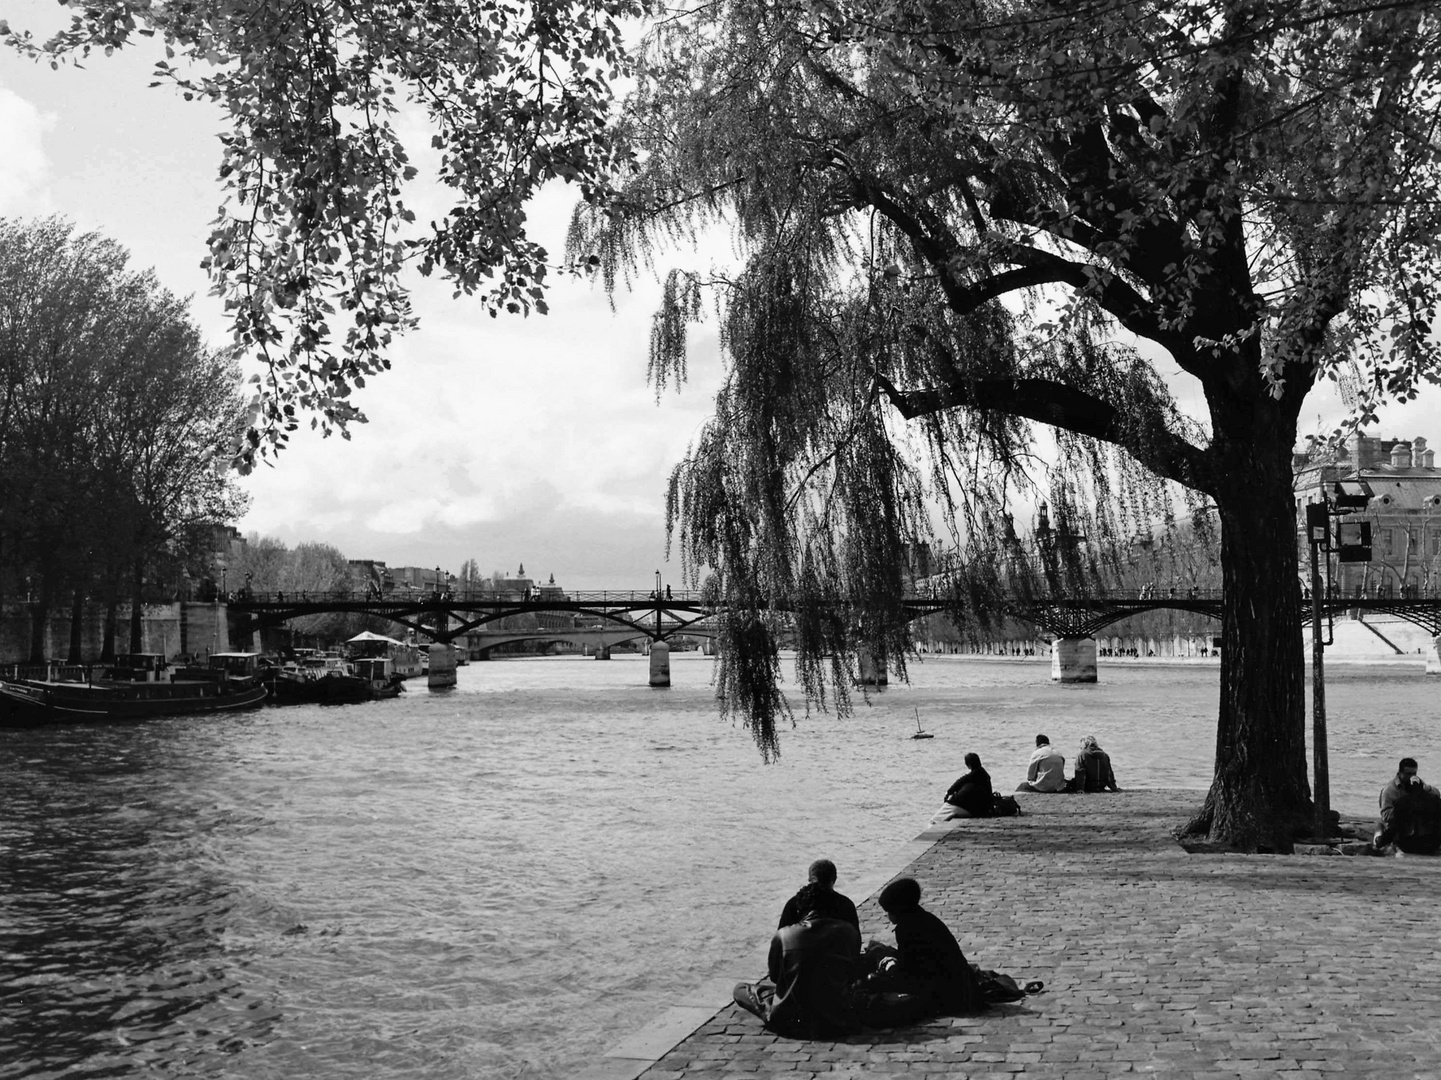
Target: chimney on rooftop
x,y
1401,455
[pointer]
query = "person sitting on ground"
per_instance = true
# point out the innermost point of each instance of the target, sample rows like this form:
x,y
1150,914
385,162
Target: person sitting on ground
x,y
970,796
926,974
1410,813
1093,768
1047,769
824,899
812,968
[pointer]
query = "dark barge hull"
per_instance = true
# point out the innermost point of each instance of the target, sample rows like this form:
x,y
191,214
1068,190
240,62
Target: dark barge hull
x,y
27,703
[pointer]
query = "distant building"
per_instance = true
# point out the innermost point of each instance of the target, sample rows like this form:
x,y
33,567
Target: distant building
x,y
1405,514
417,578
226,547
371,575
550,591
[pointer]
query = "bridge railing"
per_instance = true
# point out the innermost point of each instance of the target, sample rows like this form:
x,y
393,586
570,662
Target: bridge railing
x,y
460,596
643,597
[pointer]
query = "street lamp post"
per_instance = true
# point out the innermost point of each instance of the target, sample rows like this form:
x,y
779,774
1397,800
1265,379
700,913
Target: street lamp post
x,y
1351,497
1318,535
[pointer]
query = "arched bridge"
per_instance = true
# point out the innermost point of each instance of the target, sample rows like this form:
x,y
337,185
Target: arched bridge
x,y
446,616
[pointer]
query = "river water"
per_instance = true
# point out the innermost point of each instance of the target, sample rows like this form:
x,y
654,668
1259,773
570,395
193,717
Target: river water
x,y
503,879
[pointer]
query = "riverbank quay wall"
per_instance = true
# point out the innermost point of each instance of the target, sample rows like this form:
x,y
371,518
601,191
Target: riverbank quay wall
x,y
175,629
1156,962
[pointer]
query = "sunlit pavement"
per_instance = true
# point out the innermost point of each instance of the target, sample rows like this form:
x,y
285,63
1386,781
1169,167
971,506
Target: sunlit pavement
x,y
1155,961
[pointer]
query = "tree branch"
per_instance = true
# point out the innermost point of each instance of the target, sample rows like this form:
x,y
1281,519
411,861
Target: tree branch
x,y
1065,407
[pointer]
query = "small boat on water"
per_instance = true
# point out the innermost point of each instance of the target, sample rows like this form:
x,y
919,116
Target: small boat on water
x,y
134,687
315,678
407,659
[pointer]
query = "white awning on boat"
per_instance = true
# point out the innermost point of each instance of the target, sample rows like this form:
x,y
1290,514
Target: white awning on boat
x,y
368,636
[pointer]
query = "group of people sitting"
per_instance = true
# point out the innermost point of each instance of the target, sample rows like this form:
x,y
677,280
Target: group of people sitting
x,y
973,796
1410,814
822,984
1046,771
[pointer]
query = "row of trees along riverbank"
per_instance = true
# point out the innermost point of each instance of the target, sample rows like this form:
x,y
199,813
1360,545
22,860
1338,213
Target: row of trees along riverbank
x,y
116,424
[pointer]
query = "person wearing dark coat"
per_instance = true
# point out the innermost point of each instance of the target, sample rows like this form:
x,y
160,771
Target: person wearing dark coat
x,y
812,967
1093,768
971,795
1410,813
824,900
926,974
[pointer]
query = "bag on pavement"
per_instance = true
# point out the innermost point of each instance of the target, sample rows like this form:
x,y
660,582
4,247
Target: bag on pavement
x,y
997,988
1004,805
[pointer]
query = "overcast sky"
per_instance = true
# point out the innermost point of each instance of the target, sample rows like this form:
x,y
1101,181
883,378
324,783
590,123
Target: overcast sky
x,y
512,440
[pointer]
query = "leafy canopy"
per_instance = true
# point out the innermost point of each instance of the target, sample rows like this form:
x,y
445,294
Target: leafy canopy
x,y
994,214
310,247
113,414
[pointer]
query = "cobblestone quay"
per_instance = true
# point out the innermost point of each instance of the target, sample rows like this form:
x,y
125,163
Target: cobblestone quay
x,y
1155,961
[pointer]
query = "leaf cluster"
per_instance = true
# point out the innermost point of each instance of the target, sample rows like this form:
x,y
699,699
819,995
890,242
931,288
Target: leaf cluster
x,y
311,245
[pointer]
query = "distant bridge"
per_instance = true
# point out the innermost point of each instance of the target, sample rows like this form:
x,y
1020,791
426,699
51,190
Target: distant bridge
x,y
446,616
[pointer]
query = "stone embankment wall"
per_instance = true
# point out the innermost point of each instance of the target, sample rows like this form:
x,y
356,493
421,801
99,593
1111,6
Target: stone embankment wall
x,y
192,629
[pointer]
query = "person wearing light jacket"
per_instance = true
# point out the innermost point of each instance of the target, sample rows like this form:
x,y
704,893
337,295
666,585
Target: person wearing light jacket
x,y
1047,770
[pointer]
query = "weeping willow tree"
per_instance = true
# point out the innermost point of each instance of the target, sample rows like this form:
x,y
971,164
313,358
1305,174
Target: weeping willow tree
x,y
975,235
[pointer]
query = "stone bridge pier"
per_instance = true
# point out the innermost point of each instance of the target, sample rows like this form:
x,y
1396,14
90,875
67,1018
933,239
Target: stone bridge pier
x,y
659,664
1073,659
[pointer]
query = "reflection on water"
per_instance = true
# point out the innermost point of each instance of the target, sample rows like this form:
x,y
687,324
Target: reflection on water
x,y
496,881
113,918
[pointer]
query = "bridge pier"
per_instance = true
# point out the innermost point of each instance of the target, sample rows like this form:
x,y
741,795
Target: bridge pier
x,y
1073,660
870,672
1433,658
659,663
602,652
442,666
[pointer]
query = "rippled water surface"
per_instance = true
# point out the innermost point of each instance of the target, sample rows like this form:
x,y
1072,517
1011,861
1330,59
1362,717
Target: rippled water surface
x,y
503,879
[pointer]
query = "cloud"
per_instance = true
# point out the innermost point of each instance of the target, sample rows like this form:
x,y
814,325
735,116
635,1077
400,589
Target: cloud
x,y
24,165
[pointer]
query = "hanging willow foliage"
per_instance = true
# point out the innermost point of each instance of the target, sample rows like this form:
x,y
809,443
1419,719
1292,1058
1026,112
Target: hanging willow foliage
x,y
975,244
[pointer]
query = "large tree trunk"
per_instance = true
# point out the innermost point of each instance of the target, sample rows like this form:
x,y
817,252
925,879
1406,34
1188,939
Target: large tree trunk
x,y
137,608
1259,799
39,616
77,627
112,617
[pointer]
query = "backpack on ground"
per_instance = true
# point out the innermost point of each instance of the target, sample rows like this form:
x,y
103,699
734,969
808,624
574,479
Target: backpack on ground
x,y
997,989
1004,805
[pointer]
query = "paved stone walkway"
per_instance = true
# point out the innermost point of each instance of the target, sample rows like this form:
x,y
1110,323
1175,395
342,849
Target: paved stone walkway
x,y
1155,961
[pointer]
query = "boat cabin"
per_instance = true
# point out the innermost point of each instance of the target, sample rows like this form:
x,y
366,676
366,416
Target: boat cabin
x,y
235,665
376,668
138,667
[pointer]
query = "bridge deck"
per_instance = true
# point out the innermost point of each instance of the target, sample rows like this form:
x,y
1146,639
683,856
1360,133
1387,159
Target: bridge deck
x,y
673,612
